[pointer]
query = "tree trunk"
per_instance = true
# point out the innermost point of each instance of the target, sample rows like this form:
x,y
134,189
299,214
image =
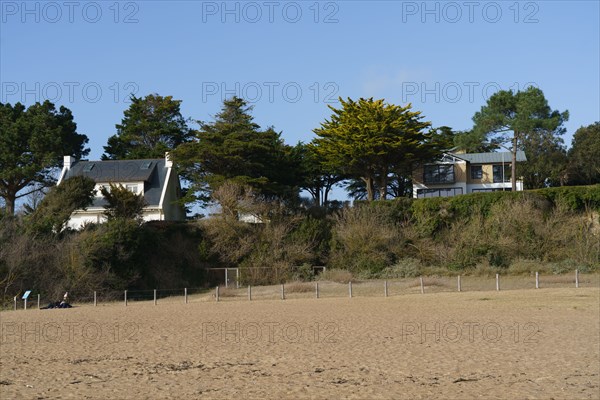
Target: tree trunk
x,y
383,186
513,167
10,201
370,189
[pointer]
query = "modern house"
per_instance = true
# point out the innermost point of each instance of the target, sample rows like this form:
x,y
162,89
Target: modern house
x,y
457,173
155,179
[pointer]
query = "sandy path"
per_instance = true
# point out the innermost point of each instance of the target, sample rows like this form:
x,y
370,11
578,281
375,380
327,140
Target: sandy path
x,y
514,344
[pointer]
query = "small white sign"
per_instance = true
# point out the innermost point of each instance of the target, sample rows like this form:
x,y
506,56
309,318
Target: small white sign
x,y
26,295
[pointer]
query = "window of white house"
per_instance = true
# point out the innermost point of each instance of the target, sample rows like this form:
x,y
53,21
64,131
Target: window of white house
x,y
476,172
132,188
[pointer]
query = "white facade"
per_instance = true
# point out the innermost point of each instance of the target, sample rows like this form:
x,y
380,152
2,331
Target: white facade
x,y
154,179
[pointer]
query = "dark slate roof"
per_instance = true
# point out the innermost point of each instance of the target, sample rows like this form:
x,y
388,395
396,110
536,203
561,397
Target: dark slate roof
x,y
150,171
488,158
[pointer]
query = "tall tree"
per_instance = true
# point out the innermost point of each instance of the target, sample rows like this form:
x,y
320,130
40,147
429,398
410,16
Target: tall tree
x,y
584,156
510,117
151,126
234,148
33,142
367,139
437,141
315,178
546,160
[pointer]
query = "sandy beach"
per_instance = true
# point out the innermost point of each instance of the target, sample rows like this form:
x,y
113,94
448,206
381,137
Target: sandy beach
x,y
519,344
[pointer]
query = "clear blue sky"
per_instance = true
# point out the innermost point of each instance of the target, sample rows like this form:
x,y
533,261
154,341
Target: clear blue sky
x,y
291,58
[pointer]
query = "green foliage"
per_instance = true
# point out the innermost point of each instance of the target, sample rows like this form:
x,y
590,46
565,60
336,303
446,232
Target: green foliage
x,y
113,246
122,203
550,230
56,208
404,268
151,126
584,155
368,139
315,178
474,142
32,144
573,198
546,160
317,233
526,114
234,148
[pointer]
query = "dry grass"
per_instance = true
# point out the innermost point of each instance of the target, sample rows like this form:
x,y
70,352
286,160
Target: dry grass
x,y
430,282
229,292
336,275
299,287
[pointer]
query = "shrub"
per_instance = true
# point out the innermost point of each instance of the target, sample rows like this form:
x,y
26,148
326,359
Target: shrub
x,y
404,268
365,239
527,267
336,275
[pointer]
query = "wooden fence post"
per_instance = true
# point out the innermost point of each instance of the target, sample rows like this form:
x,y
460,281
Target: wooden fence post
x,y
385,289
249,292
282,292
38,301
125,298
350,288
95,298
217,293
497,282
422,287
537,280
317,289
154,296
459,284
576,278
185,295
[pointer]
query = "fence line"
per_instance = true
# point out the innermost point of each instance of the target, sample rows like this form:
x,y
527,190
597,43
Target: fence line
x,y
322,289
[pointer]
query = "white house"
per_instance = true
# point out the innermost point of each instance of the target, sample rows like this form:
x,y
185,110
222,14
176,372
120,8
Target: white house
x,y
462,173
154,178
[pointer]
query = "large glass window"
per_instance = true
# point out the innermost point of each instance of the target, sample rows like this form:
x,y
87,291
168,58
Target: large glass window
x,y
445,192
438,173
491,190
476,172
500,174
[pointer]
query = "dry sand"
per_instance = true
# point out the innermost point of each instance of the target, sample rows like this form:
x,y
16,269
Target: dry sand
x,y
516,344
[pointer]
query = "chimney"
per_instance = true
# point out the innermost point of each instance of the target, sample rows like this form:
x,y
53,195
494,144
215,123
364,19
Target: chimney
x,y
68,162
168,162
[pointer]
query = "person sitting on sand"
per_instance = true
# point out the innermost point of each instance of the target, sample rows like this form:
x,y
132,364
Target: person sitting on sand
x,y
59,304
54,304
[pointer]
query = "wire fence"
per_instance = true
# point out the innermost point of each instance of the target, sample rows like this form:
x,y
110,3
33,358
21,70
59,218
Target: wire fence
x,y
319,289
